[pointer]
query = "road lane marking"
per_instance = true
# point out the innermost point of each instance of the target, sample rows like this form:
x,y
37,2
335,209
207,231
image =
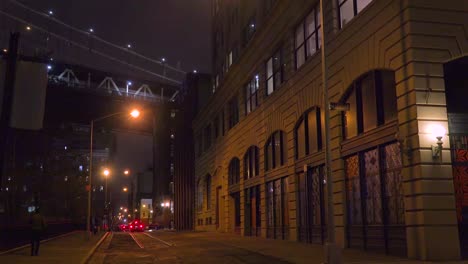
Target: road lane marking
x,y
136,241
160,240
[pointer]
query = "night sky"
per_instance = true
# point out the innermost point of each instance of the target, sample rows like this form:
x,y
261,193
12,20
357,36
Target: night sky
x,y
178,30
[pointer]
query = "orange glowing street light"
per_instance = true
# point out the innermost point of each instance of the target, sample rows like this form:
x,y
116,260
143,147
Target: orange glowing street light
x,y
126,172
125,189
135,113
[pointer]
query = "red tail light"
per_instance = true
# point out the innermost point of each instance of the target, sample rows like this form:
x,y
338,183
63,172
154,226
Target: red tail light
x,y
141,225
131,226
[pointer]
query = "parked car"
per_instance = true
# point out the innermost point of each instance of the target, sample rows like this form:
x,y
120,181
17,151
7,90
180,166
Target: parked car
x,y
153,227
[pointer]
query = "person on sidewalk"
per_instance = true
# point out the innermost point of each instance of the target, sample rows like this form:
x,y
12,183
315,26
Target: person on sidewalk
x,y
38,226
93,225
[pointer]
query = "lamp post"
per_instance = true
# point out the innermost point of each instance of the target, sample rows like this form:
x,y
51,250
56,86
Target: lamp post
x,y
135,113
106,175
129,83
333,253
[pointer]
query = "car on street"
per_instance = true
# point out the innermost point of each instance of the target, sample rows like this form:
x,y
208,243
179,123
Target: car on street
x,y
124,227
153,226
136,226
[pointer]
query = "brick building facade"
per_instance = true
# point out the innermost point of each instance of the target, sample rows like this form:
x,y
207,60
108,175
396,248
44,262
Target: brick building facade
x,y
259,141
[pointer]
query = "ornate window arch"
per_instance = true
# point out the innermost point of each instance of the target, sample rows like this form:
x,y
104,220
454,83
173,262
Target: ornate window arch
x,y
234,171
308,133
251,163
372,100
200,195
208,191
275,150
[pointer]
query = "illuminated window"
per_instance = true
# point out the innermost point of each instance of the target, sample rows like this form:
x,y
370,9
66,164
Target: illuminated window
x,y
274,72
307,37
372,100
249,30
215,83
251,95
349,9
228,60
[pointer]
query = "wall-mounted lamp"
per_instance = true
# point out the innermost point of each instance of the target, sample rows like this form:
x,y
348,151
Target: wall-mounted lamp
x,y
438,132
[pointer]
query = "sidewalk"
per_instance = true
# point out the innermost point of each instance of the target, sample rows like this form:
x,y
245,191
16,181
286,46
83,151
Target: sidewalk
x,y
70,249
291,251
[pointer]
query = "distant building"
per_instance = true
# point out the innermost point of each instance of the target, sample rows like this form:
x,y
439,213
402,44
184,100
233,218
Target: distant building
x,y
399,181
193,95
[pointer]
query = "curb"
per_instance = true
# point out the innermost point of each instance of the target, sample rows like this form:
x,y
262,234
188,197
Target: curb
x,y
42,241
91,252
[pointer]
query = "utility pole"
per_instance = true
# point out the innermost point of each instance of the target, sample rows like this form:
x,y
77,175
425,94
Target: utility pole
x,y
332,251
7,100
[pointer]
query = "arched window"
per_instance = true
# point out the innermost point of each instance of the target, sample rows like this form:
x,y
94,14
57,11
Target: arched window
x,y
251,168
274,150
234,171
372,100
208,191
200,195
308,133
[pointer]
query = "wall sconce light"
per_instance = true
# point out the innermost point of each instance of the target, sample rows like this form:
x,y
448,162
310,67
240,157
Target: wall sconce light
x,y
438,132
339,106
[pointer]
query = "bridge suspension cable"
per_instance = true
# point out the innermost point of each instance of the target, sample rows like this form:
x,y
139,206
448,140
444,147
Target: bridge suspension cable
x,y
132,52
76,44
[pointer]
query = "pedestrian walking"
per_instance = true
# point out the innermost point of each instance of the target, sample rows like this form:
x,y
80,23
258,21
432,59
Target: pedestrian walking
x,y
93,225
38,226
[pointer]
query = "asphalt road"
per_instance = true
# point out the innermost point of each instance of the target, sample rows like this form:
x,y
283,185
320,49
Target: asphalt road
x,y
124,247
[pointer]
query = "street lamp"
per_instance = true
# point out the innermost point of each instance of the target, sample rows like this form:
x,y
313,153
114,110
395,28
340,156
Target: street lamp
x,y
125,189
126,172
106,174
129,83
91,132
135,113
